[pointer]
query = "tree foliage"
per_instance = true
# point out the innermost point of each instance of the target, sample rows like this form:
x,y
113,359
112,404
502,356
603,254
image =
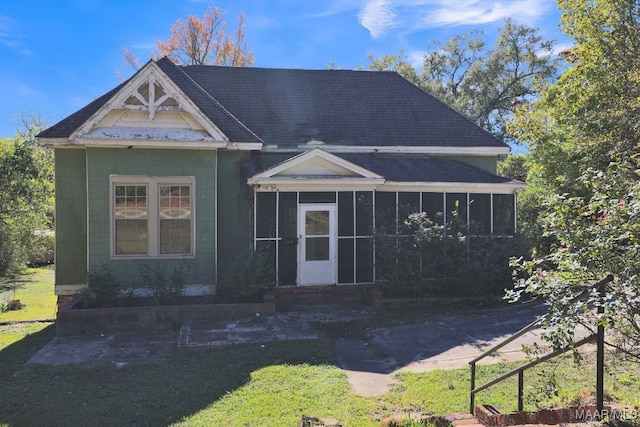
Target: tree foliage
x,y
584,172
481,82
26,191
202,41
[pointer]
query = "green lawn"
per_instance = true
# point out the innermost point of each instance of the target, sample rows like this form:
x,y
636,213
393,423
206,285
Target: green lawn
x,y
35,293
253,385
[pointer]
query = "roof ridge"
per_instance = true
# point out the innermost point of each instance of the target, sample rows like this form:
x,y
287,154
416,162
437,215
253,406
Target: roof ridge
x,y
214,100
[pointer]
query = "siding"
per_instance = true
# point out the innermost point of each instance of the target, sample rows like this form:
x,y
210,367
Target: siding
x,y
71,217
103,162
486,163
235,201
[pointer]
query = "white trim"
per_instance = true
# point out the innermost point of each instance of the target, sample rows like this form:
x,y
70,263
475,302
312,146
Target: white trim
x,y
363,184
164,144
244,146
453,187
56,143
80,143
320,272
153,74
271,175
397,149
69,289
152,184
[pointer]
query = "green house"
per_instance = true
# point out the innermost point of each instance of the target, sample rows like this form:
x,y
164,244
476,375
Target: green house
x,y
199,164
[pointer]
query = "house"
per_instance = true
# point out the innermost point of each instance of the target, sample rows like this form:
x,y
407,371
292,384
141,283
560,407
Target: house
x,y
196,164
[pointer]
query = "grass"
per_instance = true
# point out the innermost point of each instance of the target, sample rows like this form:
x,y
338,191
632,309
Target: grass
x,y
254,385
35,292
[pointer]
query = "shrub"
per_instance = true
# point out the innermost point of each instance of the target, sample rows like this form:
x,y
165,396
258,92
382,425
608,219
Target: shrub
x,y
246,278
103,287
455,258
164,287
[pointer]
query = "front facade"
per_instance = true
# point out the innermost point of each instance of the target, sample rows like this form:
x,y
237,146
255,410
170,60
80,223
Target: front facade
x,y
196,165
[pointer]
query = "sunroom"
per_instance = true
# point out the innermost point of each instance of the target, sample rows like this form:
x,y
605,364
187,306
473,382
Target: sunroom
x,y
317,215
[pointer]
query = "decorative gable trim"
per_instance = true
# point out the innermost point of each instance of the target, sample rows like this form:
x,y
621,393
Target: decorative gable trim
x,y
316,166
150,90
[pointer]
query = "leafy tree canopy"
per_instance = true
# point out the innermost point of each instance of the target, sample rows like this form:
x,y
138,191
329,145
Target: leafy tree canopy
x,y
483,83
202,41
584,172
26,191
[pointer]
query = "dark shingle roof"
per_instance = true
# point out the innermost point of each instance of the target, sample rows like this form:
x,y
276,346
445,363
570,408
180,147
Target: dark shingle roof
x,y
65,127
423,169
416,168
292,107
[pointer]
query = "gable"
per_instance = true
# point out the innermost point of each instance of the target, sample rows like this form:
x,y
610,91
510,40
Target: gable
x,y
315,165
149,110
150,107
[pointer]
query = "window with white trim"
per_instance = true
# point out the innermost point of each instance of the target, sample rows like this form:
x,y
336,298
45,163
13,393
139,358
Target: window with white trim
x,y
152,216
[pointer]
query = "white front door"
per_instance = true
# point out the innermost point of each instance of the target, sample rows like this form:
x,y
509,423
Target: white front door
x,y
318,245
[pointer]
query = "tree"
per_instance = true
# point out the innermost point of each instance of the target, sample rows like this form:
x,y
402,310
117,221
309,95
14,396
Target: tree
x,y
584,166
202,41
26,191
484,84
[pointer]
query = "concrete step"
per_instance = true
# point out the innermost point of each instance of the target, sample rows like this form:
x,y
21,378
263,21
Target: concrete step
x,y
300,295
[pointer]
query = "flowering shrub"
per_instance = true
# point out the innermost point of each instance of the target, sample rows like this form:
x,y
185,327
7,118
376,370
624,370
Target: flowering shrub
x,y
432,257
594,236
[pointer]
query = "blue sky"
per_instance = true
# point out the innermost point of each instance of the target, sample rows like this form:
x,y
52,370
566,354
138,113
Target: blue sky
x,y
59,55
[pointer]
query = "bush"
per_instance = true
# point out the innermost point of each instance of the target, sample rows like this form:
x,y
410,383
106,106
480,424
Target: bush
x,y
246,278
164,288
432,258
103,288
42,251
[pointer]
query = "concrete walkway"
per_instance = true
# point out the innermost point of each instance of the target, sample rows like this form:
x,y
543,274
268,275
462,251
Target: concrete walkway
x,y
369,356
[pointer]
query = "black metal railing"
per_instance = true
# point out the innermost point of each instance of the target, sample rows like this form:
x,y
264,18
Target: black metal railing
x,y
599,337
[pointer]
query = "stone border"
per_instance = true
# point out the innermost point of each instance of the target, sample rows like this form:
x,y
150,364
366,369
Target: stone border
x,y
73,321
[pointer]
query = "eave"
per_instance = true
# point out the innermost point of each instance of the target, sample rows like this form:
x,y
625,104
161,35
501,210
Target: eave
x,y
395,149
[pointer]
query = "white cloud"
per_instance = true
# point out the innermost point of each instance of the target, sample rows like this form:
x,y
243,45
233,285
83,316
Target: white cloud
x,y
381,17
378,16
475,12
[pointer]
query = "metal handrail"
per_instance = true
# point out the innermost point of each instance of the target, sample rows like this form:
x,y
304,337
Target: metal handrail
x,y
520,370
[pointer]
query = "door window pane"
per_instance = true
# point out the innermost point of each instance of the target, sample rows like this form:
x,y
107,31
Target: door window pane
x,y
317,249
317,223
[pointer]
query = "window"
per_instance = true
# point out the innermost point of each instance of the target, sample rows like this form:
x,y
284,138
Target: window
x,y
152,216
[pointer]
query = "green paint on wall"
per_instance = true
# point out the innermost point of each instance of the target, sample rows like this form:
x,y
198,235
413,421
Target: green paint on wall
x,y
486,163
103,162
235,201
71,217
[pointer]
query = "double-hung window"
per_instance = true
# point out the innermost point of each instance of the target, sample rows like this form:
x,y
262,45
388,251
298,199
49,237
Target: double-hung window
x,y
152,216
